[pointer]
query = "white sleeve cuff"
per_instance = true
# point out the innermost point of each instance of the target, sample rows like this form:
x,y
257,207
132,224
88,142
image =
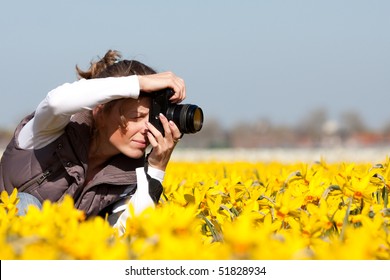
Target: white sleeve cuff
x,y
141,198
156,173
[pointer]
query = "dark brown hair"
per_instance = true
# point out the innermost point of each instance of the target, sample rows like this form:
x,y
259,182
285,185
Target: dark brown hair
x,y
111,65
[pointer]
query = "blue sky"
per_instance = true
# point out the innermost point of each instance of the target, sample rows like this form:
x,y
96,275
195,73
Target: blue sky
x,y
241,60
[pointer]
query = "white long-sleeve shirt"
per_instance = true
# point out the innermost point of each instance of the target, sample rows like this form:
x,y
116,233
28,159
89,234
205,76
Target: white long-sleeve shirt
x,y
55,111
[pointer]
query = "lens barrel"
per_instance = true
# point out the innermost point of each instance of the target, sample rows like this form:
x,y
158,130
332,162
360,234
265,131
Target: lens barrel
x,y
187,117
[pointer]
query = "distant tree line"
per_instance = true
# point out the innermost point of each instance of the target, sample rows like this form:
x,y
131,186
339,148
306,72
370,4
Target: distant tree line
x,y
315,130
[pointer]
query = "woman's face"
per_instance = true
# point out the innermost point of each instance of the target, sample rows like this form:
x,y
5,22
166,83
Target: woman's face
x,y
128,134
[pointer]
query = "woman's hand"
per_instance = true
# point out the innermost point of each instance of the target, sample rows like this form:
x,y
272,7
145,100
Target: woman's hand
x,y
154,82
162,146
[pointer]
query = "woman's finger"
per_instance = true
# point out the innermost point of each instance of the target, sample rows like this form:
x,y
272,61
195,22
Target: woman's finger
x,y
154,131
166,126
176,134
153,142
179,91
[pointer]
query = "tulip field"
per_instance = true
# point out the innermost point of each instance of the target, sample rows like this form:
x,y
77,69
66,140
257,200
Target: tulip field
x,y
224,210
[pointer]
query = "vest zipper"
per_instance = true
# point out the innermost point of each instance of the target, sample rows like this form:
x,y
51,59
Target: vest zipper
x,y
36,180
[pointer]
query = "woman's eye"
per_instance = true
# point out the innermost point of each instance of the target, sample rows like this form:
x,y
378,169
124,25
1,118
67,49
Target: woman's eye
x,y
137,117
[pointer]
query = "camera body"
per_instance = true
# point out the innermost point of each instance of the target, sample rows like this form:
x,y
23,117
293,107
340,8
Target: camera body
x,y
187,117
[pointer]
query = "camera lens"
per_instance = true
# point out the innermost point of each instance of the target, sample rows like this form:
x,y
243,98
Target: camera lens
x,y
187,117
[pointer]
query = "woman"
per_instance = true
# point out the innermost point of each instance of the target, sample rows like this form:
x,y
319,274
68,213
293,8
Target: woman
x,y
88,139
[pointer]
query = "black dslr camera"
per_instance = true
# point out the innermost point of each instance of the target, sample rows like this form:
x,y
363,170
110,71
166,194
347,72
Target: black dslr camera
x,y
187,117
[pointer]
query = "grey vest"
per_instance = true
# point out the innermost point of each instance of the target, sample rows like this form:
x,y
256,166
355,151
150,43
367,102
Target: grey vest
x,y
59,169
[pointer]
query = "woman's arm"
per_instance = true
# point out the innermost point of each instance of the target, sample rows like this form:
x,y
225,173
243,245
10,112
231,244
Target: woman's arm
x,y
55,111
